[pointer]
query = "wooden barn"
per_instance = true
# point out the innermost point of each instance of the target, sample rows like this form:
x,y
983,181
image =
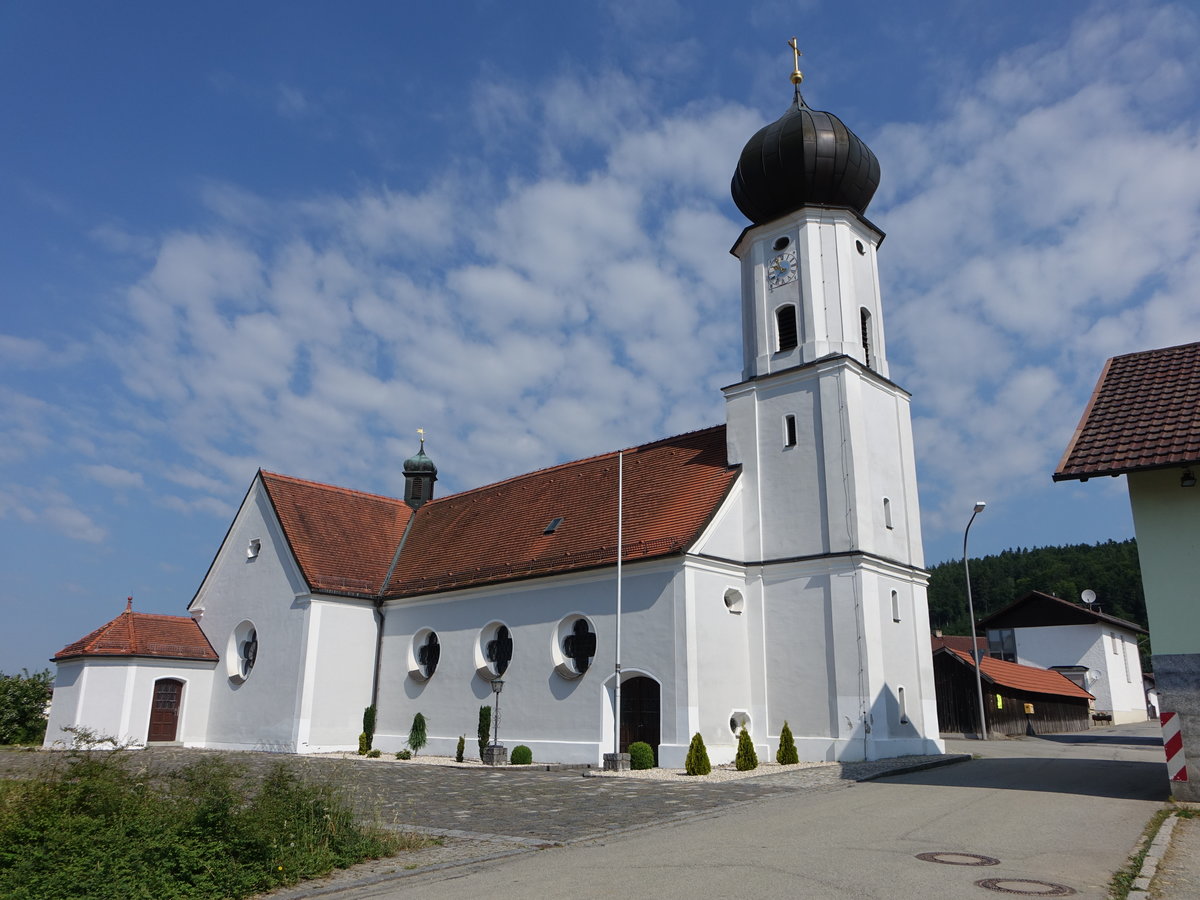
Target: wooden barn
x,y
1018,699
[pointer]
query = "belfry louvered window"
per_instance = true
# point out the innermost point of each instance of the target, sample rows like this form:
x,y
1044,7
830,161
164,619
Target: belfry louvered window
x,y
785,328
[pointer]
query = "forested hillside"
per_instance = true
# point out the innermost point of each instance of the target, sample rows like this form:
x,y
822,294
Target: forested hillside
x,y
1110,569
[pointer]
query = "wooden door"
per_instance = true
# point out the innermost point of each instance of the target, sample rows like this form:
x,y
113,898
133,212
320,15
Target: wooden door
x,y
640,713
164,709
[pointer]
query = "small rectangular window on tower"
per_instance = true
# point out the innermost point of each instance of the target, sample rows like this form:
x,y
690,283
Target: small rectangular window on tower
x,y
789,431
887,513
895,606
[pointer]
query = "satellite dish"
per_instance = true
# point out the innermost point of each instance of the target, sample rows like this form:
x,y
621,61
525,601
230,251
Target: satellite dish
x,y
1088,597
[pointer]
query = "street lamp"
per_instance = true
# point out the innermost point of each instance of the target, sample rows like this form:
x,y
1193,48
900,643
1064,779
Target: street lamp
x,y
979,506
497,687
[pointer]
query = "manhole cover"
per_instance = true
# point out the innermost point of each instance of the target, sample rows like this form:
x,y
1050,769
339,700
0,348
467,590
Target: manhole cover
x,y
1026,887
954,858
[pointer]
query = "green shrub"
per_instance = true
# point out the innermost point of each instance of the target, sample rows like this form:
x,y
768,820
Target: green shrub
x,y
374,753
403,754
369,725
23,700
697,757
364,744
461,748
417,735
97,825
485,728
746,758
641,755
786,755
521,756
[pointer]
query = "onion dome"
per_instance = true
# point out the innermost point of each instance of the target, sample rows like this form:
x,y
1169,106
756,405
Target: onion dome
x,y
420,464
805,157
419,476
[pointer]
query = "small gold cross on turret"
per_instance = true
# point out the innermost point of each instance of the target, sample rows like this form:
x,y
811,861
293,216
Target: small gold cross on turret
x,y
797,75
421,432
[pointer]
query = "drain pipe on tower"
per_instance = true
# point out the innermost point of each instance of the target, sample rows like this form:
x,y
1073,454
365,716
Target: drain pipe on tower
x,y
620,554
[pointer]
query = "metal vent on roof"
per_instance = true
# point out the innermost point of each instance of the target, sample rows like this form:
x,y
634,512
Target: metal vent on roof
x,y
553,526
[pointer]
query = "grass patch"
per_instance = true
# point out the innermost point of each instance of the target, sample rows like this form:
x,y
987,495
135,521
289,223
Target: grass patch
x,y
1123,878
98,826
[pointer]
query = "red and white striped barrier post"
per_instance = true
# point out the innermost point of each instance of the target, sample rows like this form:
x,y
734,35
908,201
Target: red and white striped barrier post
x,y
1173,744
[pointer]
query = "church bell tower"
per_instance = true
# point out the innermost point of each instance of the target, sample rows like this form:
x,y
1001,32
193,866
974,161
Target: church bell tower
x,y
824,438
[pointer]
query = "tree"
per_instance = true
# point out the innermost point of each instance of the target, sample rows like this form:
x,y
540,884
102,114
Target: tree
x,y
697,757
485,728
747,757
417,736
23,700
786,755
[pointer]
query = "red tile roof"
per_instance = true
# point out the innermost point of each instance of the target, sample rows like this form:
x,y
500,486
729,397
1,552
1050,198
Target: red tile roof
x,y
496,533
143,634
957,642
343,541
1022,678
1143,414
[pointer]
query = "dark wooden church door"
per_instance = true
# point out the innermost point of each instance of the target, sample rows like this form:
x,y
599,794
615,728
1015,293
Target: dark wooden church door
x,y
640,713
164,709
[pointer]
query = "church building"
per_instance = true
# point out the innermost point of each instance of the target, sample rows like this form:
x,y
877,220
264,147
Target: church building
x,y
770,569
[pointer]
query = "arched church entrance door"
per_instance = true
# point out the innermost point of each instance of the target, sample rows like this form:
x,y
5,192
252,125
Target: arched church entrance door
x,y
164,709
640,713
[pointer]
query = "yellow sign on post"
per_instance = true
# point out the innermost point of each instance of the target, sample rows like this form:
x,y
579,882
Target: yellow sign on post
x,y
1029,709
999,702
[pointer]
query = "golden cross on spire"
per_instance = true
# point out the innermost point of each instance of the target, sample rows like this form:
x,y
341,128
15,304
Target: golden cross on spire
x,y
421,432
797,75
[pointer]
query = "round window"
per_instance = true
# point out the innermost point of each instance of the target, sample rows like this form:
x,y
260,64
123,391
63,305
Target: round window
x,y
425,654
574,646
734,601
493,650
242,652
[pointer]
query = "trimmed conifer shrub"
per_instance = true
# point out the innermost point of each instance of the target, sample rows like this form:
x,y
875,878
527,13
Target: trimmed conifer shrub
x,y
521,756
369,725
417,735
786,755
641,755
461,749
485,728
697,757
747,758
364,744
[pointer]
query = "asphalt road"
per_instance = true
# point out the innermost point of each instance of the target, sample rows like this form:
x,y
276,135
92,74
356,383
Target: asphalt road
x,y
1062,811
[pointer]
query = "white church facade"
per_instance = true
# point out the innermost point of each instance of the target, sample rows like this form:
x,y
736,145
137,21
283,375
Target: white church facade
x,y
771,567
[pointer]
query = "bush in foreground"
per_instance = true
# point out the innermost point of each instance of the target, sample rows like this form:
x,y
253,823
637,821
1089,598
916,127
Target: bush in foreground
x,y
418,735
786,755
641,755
101,826
697,757
484,731
521,756
461,749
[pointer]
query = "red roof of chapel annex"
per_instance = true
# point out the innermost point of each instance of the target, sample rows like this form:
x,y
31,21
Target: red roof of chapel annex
x,y
143,634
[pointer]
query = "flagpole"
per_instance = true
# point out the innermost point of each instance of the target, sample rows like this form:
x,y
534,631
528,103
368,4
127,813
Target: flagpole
x,y
620,553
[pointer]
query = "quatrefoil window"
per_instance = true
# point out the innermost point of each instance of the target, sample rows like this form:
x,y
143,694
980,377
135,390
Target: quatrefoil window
x,y
500,650
580,645
428,654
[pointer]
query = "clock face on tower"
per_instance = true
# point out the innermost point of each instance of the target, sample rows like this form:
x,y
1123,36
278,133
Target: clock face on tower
x,y
782,269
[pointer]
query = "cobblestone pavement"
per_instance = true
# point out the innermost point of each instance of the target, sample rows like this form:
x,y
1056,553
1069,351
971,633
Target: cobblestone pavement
x,y
484,813
528,804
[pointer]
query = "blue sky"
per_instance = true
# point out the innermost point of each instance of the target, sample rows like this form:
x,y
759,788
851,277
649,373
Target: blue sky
x,y
288,235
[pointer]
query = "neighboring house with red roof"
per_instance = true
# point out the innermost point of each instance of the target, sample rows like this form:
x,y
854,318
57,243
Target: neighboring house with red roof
x,y
1095,650
771,569
1017,699
1143,422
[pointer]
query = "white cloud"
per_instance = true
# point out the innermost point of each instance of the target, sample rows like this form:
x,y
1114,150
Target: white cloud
x,y
113,477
